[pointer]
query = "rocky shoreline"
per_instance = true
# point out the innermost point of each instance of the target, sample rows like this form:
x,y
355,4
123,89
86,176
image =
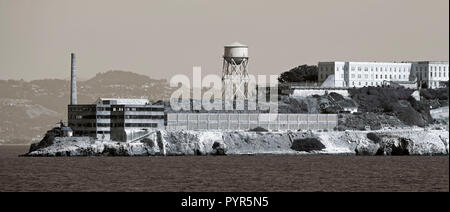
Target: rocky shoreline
x,y
178,143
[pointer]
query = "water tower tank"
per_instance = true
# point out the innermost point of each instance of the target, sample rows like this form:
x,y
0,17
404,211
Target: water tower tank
x,y
237,52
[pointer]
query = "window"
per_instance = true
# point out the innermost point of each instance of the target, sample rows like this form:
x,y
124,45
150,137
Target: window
x,y
376,76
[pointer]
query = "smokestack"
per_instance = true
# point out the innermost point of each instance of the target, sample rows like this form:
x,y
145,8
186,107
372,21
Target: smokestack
x,y
73,81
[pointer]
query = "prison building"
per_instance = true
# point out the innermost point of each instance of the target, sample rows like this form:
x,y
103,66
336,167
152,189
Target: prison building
x,y
431,74
362,74
424,74
248,121
115,119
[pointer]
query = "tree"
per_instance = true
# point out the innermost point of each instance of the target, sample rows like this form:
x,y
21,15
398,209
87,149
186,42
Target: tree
x,y
303,73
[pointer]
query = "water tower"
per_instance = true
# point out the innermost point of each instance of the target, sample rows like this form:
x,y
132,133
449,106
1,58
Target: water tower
x,y
235,73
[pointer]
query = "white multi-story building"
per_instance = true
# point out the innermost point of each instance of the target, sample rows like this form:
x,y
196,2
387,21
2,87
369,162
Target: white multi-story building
x,y
431,74
364,74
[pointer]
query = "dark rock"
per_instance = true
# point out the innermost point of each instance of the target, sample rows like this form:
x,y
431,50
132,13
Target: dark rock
x,y
336,96
374,137
258,129
148,141
218,148
307,144
48,140
402,148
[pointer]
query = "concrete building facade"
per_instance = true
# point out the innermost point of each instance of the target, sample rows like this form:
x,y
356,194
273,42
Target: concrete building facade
x,y
115,119
364,74
431,74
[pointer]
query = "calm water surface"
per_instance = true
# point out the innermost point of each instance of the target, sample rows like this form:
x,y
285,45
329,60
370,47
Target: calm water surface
x,y
225,173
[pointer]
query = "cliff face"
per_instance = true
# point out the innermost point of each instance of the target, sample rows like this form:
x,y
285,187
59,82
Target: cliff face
x,y
252,143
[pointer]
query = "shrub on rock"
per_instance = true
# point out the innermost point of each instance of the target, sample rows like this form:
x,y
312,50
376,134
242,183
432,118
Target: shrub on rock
x,y
307,145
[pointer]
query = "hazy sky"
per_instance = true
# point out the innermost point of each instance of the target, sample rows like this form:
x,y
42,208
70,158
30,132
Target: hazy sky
x,y
168,37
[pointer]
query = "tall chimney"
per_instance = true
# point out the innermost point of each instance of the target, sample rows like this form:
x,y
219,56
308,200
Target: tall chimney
x,y
73,81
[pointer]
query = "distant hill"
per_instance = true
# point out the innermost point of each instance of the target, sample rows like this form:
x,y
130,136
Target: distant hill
x,y
28,109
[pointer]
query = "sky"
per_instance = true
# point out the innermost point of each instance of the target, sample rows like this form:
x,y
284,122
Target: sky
x,y
162,38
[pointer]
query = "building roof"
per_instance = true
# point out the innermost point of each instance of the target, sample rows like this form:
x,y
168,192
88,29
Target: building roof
x,y
236,44
120,101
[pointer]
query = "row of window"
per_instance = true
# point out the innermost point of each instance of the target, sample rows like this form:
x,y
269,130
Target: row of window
x,y
138,109
115,125
438,68
84,132
367,84
127,124
366,76
153,125
437,74
391,69
360,68
432,68
116,117
381,69
93,109
432,74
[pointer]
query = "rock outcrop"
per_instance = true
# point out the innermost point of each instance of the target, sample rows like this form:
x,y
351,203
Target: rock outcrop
x,y
412,142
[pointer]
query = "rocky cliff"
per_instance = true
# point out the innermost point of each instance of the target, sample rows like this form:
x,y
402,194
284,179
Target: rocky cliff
x,y
412,142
